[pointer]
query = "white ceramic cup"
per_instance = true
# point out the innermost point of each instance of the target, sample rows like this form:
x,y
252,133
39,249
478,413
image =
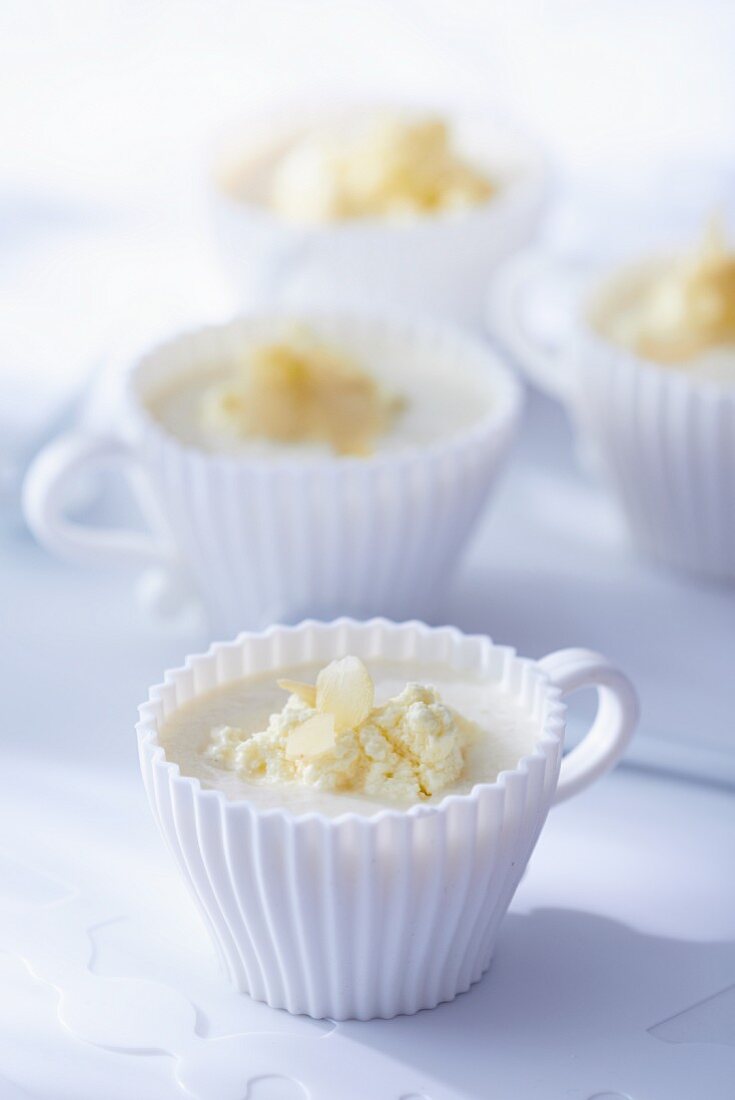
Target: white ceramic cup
x,y
356,916
435,265
663,438
280,537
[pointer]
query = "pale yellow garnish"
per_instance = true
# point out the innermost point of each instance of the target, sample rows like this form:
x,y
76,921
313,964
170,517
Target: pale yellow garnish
x,y
408,749
299,389
305,692
313,737
389,166
690,309
345,689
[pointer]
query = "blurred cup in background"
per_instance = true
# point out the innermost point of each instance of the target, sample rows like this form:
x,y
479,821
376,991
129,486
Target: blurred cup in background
x,y
434,263
282,536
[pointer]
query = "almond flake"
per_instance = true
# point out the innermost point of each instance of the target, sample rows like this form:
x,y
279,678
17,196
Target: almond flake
x,y
313,737
305,692
345,690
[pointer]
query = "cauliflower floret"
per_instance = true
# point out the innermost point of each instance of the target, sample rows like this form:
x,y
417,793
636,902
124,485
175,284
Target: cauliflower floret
x,y
409,749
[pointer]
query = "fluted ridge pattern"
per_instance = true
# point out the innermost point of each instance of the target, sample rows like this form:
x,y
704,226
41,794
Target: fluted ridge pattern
x,y
354,917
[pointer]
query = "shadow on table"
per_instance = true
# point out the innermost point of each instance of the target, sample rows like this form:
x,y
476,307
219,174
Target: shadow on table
x,y
576,1005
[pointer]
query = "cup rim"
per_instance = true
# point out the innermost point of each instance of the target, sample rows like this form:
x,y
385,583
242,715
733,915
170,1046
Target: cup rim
x,y
502,415
551,731
530,184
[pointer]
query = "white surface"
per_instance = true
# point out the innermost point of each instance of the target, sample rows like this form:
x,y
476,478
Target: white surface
x,y
631,882
620,924
625,919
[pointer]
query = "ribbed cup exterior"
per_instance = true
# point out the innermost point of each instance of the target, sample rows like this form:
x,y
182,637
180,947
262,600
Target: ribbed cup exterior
x,y
279,538
667,445
354,917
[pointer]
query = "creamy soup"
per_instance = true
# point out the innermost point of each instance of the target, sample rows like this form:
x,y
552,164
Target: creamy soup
x,y
271,394
501,732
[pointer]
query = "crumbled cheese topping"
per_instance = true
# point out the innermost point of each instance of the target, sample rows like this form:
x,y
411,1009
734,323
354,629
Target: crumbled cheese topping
x,y
410,748
301,390
689,309
387,167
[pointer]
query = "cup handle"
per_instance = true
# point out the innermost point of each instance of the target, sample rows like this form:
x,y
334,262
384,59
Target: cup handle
x,y
45,489
615,721
543,362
